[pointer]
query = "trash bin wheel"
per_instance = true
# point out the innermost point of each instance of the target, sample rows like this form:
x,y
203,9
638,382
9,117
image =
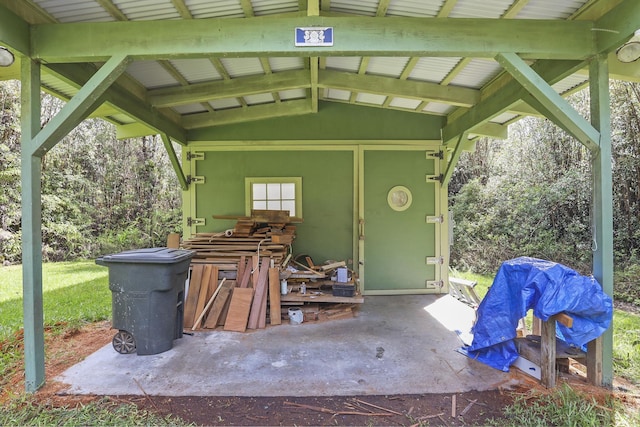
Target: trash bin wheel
x,y
124,343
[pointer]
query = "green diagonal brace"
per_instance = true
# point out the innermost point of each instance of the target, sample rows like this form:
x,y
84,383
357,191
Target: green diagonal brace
x,y
555,104
80,106
174,161
454,159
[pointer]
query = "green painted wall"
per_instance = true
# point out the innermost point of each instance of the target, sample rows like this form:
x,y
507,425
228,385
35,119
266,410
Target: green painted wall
x,y
327,194
334,121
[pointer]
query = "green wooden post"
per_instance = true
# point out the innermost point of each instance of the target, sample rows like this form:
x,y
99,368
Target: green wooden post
x,y
602,360
31,229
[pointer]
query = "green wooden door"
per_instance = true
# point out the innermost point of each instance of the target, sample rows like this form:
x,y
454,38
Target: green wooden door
x,y
400,225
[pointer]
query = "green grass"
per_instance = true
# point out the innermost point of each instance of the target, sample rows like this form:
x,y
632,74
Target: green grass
x,y
73,293
104,412
566,407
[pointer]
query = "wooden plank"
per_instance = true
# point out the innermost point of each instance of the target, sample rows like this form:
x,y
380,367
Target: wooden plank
x,y
254,276
173,241
192,295
246,276
218,305
198,321
548,353
262,318
241,268
213,281
225,309
260,294
238,315
204,289
274,295
563,318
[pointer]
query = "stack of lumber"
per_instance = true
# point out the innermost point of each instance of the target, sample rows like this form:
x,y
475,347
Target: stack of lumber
x,y
264,233
238,304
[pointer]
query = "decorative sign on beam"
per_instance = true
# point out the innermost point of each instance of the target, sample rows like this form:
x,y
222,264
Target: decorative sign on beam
x,y
314,36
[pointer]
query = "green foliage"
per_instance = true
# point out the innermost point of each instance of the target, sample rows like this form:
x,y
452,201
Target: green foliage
x,y
626,345
99,194
563,407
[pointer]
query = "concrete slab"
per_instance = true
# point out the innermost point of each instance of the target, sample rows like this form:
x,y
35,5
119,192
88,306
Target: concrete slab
x,y
395,345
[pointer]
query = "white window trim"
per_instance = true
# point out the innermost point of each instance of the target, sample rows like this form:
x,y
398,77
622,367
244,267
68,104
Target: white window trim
x,y
248,186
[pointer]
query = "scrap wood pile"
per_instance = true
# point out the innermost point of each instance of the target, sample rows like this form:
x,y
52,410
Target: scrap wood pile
x,y
265,233
251,301
250,260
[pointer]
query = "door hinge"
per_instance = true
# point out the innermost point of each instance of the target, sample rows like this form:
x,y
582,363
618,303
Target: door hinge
x,y
436,154
434,260
432,178
195,155
435,219
433,284
194,179
195,221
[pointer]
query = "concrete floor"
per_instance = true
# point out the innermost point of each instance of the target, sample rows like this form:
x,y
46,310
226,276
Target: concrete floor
x,y
395,345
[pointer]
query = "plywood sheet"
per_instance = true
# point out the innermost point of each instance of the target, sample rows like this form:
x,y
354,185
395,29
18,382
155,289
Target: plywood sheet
x,y
239,310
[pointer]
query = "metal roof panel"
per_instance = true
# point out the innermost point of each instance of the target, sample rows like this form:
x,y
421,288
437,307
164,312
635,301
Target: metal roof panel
x,y
370,98
292,94
224,104
150,74
549,9
201,9
415,8
196,70
271,7
141,10
385,66
433,69
75,10
344,63
261,98
411,104
339,94
284,64
189,109
360,7
480,9
476,73
238,67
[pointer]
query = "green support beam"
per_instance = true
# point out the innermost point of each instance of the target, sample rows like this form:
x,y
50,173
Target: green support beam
x,y
409,89
175,162
555,104
616,26
122,99
79,107
505,93
229,88
14,32
357,36
453,161
603,212
31,229
238,115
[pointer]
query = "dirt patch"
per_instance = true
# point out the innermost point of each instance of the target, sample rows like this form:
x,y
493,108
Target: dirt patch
x,y
471,408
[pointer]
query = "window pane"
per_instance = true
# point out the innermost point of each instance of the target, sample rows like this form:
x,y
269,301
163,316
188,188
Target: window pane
x,y
273,191
273,205
260,204
259,191
289,205
289,191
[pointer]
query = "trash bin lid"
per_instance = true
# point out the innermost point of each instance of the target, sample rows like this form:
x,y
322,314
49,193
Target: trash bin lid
x,y
149,256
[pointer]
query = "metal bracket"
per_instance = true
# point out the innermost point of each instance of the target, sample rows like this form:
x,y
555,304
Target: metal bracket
x,y
434,260
195,179
432,178
435,219
436,154
195,221
434,284
195,155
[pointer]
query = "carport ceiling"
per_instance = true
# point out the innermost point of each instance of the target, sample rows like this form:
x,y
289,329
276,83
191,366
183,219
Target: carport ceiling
x,y
204,63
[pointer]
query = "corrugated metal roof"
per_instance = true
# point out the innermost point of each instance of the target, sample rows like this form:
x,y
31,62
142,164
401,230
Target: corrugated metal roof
x,y
201,9
238,67
477,73
385,66
472,73
150,74
480,9
146,10
433,69
549,9
75,10
415,8
196,70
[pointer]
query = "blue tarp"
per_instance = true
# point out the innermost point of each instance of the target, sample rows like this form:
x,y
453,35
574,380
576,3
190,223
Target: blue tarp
x,y
546,287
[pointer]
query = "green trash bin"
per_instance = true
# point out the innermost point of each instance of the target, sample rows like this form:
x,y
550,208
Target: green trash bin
x,y
147,289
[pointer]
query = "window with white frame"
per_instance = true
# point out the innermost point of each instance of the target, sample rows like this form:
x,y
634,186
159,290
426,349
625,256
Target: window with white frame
x,y
274,194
